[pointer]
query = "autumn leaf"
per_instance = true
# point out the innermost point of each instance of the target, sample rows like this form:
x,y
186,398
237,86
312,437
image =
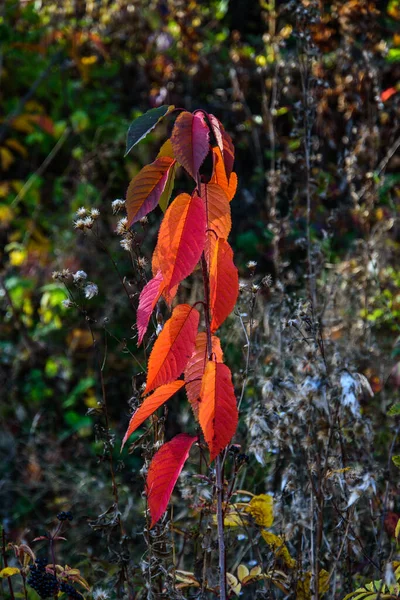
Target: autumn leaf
x,y
173,347
150,405
141,126
164,471
224,283
181,238
219,176
147,300
261,508
224,143
168,294
190,141
167,150
218,414
218,215
196,366
145,190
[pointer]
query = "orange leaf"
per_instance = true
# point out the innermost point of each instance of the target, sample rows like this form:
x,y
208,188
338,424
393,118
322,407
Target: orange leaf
x,y
195,368
218,414
145,189
224,283
225,144
219,176
181,238
173,347
164,471
148,299
190,141
218,213
168,294
150,405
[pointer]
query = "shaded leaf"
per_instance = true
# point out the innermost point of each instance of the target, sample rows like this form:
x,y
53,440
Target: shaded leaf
x,y
190,141
196,366
224,283
148,299
181,238
141,126
218,414
150,405
173,347
164,471
145,190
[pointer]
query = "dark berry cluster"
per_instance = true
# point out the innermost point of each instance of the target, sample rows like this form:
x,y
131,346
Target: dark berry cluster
x,y
45,584
65,516
70,591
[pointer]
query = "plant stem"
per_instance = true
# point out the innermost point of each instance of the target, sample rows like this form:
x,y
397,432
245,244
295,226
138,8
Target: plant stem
x,y
218,466
10,587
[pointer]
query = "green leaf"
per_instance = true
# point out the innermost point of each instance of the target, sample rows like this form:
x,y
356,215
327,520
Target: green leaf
x,y
141,126
396,460
394,410
166,195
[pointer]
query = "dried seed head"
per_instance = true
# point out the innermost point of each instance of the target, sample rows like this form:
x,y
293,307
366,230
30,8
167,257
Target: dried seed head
x,y
81,212
122,226
117,205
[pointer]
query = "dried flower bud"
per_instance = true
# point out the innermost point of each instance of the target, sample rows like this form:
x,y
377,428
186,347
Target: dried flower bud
x,y
122,226
91,290
95,213
79,276
79,224
117,205
81,212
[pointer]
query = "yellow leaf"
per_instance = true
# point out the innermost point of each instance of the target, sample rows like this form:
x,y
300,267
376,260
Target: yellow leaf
x,y
261,509
23,123
89,60
4,189
17,146
279,547
242,572
17,257
6,214
255,571
6,158
303,591
397,530
8,572
233,584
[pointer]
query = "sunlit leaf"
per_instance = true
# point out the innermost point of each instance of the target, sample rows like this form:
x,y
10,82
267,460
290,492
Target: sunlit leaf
x,y
218,213
145,190
150,405
173,347
148,299
190,141
218,414
181,238
224,283
164,471
196,365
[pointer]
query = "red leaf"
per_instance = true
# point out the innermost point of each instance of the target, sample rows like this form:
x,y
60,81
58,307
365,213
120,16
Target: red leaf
x,y
386,94
148,299
173,347
224,283
164,471
229,185
181,238
150,405
228,153
195,368
145,189
218,215
190,141
218,414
